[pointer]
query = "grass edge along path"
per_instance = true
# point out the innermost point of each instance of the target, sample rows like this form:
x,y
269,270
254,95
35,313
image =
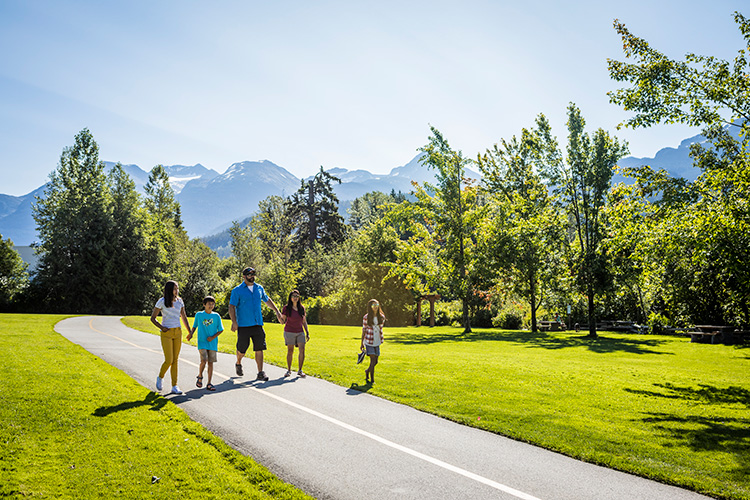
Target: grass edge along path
x,y
656,406
72,426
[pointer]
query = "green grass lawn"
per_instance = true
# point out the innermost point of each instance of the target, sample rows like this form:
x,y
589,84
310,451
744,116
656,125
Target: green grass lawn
x,y
657,406
72,426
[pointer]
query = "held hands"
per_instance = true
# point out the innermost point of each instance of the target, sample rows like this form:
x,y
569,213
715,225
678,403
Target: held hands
x,y
189,336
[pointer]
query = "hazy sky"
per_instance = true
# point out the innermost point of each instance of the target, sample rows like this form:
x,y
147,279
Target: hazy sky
x,y
349,84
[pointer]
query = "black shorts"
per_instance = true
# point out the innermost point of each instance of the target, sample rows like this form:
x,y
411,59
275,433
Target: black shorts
x,y
245,333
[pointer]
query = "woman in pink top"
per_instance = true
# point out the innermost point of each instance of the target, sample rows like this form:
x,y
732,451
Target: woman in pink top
x,y
296,332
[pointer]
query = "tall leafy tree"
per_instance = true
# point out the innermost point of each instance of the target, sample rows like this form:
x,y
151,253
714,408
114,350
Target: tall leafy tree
x,y
529,234
705,240
314,210
74,221
13,275
583,181
440,252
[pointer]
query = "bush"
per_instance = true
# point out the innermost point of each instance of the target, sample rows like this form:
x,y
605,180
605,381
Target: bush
x,y
508,320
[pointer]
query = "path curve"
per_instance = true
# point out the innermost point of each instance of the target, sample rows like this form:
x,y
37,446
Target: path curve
x,y
338,443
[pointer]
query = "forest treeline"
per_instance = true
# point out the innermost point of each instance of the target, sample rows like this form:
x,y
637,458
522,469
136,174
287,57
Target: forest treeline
x,y
543,231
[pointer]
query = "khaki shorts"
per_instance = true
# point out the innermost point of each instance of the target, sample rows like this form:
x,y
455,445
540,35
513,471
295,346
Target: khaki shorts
x,y
208,355
295,339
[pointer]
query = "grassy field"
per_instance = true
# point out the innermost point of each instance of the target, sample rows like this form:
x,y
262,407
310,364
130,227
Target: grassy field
x,y
656,406
71,426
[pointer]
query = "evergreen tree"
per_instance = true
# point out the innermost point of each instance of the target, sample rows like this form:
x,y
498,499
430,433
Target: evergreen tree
x,y
74,221
314,210
136,258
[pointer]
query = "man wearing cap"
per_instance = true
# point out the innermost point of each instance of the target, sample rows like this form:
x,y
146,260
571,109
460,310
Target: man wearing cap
x,y
247,319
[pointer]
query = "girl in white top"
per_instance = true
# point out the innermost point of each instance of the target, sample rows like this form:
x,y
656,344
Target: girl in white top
x,y
172,308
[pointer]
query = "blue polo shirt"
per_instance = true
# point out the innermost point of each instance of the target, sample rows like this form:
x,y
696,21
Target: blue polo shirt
x,y
247,304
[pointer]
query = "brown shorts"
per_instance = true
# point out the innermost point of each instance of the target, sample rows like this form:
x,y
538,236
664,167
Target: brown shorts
x,y
208,355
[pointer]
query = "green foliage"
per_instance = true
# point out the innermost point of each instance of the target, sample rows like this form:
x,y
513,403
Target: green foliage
x,y
698,232
13,275
370,208
582,182
313,210
76,231
525,240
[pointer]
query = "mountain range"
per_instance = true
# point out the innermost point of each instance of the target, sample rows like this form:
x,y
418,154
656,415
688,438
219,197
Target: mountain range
x,y
211,201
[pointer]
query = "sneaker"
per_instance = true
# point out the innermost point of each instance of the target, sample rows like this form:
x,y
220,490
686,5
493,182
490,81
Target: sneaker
x,y
238,369
301,374
176,390
158,383
262,377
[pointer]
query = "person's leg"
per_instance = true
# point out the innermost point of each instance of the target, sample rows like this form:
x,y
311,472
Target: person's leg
x,y
166,347
176,345
259,360
289,356
301,356
371,369
210,371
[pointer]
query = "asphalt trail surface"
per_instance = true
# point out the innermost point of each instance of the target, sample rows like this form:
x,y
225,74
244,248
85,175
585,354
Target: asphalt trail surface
x,y
339,443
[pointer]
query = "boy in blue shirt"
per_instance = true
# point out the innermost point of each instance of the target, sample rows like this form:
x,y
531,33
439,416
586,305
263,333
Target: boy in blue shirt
x,y
208,324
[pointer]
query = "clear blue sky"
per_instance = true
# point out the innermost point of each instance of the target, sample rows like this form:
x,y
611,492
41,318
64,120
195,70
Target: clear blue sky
x,y
307,83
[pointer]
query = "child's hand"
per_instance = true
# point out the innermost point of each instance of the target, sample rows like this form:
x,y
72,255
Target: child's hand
x,y
189,336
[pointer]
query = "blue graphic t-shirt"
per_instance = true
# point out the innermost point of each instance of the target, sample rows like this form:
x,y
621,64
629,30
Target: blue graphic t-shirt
x,y
207,325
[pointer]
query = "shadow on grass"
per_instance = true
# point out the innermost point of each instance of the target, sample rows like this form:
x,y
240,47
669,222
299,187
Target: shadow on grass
x,y
699,433
724,435
704,394
602,344
155,401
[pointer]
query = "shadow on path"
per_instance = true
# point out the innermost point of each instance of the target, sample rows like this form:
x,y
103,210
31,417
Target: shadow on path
x,y
356,389
637,344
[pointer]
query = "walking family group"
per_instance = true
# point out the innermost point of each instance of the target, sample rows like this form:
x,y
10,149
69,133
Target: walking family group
x,y
246,315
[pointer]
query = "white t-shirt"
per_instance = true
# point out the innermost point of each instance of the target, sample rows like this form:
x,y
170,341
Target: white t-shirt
x,y
251,288
170,315
375,331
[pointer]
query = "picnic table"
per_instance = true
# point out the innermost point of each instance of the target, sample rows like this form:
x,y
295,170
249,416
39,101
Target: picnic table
x,y
712,333
620,326
551,326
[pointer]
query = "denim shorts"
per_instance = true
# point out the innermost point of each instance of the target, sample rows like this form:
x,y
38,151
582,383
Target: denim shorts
x,y
373,350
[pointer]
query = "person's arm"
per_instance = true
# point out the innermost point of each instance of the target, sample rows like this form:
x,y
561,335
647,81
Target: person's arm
x,y
184,317
304,324
283,316
364,329
218,332
270,304
158,325
190,334
233,317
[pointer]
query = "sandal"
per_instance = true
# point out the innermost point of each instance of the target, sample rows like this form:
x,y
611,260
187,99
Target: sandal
x,y
199,381
210,387
288,374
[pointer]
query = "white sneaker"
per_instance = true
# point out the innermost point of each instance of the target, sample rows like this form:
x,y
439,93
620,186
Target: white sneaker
x,y
158,383
176,390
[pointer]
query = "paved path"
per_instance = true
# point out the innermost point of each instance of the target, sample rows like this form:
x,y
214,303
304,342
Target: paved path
x,y
338,443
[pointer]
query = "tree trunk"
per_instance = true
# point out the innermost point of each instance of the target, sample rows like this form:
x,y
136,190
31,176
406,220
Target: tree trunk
x,y
592,320
532,302
313,222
